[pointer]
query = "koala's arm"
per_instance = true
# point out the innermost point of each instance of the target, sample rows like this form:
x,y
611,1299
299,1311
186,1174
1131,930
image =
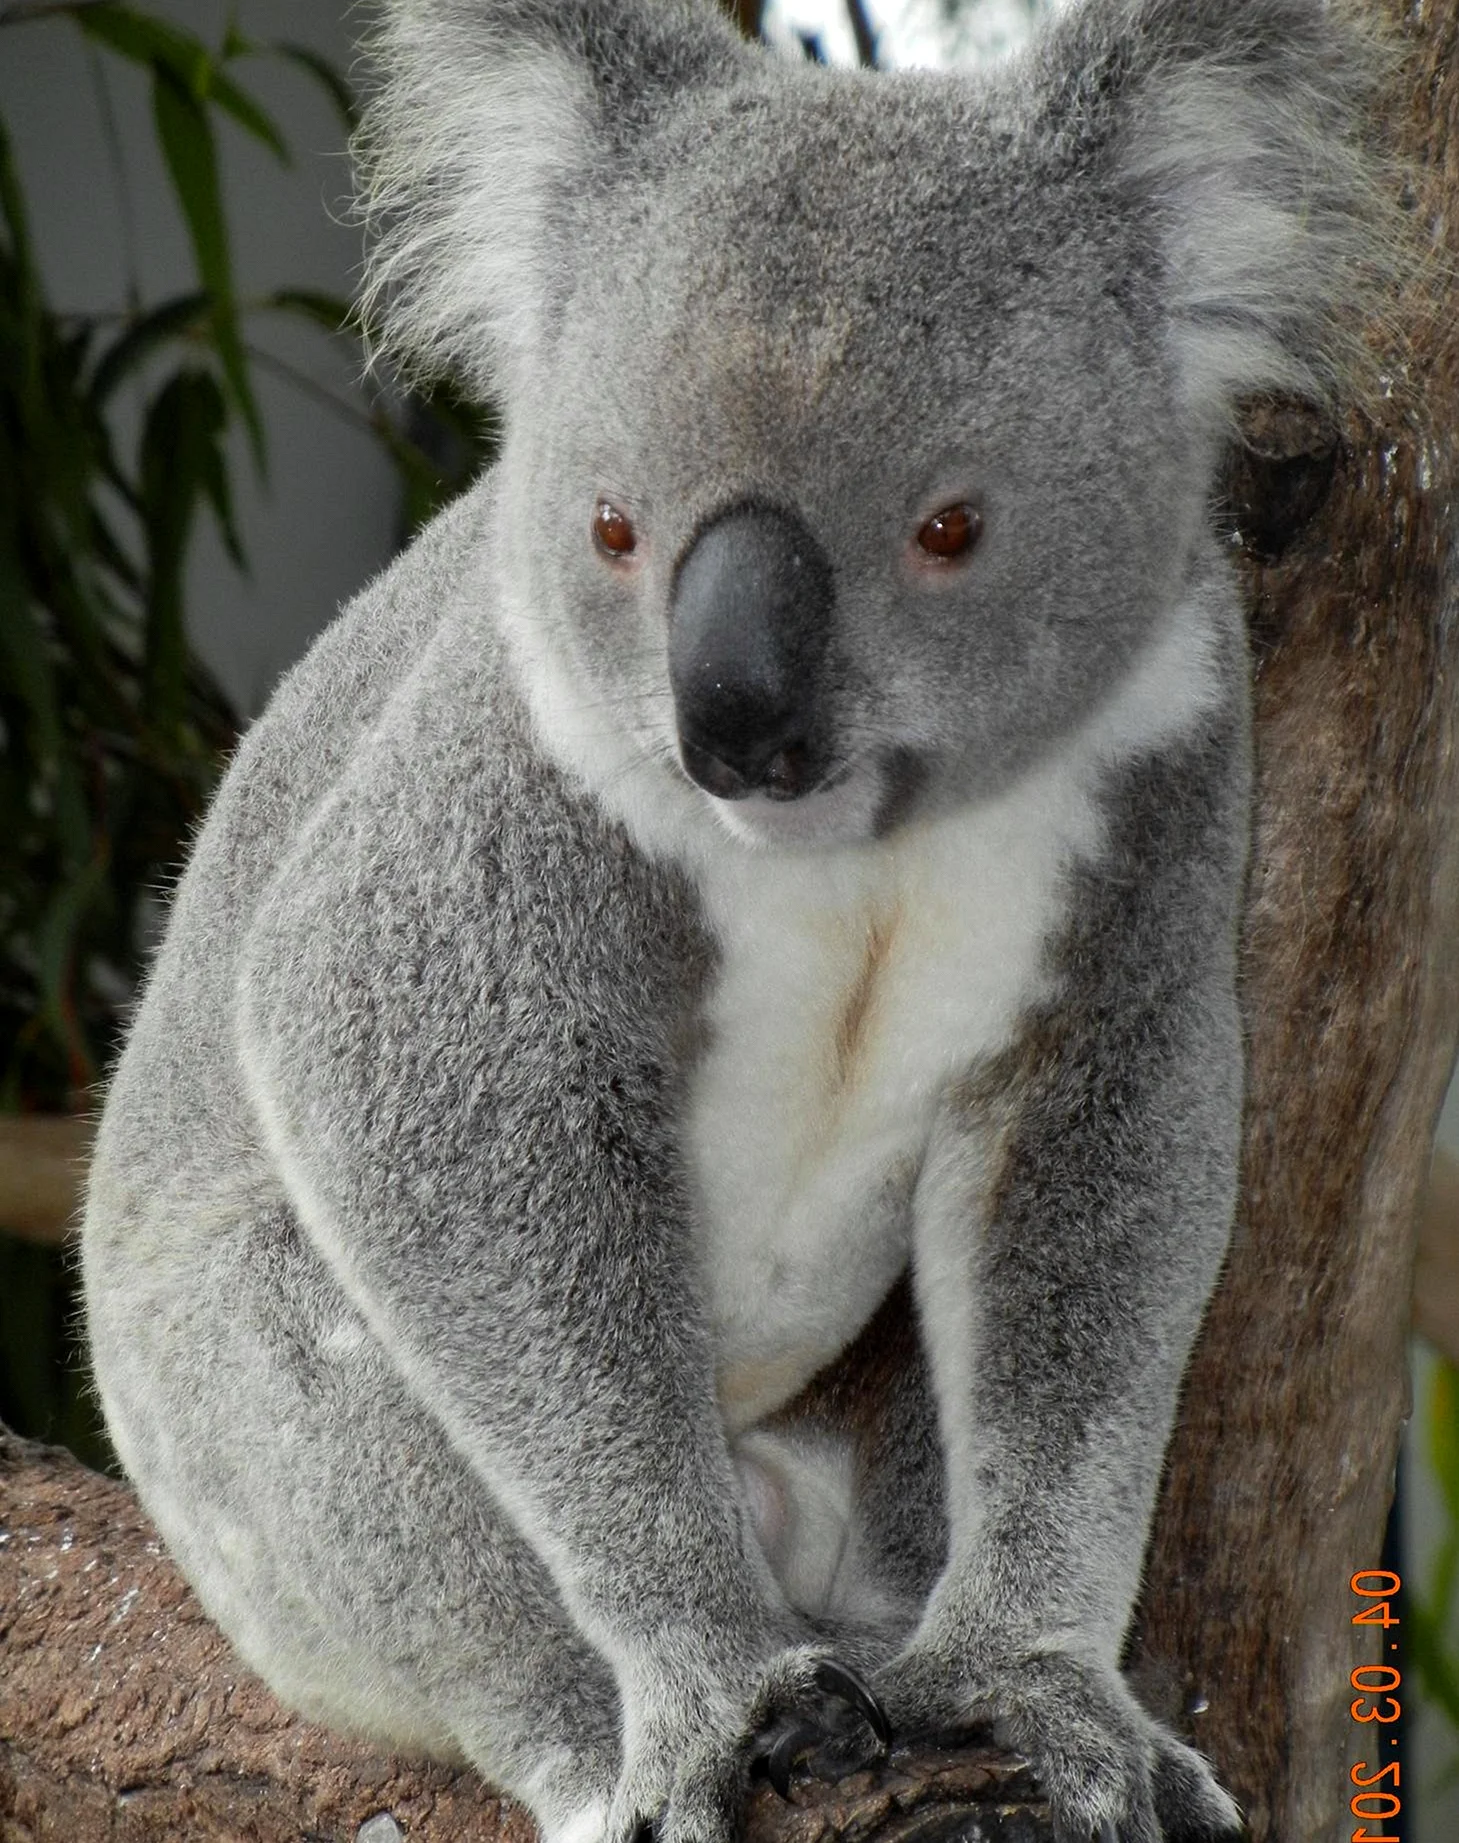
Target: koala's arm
x,y
1070,1225
455,1012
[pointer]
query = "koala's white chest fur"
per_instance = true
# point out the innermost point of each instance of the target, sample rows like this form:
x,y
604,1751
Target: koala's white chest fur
x,y
855,985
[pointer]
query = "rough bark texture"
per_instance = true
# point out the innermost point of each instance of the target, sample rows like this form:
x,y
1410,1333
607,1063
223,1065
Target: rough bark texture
x,y
123,1715
1281,1474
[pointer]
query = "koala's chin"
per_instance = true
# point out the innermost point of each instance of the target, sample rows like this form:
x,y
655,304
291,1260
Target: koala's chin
x,y
846,813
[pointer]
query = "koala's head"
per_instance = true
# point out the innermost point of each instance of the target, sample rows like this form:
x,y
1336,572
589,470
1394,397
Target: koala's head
x,y
860,428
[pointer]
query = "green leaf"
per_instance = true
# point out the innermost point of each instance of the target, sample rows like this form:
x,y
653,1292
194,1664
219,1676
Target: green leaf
x,y
31,669
235,45
248,114
23,279
180,462
1432,1664
1444,1434
330,311
213,476
111,555
325,75
187,143
184,314
58,937
150,41
146,40
12,207
192,161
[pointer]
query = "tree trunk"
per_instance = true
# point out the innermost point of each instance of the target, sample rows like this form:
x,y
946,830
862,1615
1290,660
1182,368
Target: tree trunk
x,y
1280,1478
122,1712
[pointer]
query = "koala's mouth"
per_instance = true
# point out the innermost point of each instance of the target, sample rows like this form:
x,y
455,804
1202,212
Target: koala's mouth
x,y
786,775
842,808
783,771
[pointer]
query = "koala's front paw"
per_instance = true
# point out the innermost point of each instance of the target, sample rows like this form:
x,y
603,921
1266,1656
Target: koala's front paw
x,y
837,1726
1110,1772
686,1776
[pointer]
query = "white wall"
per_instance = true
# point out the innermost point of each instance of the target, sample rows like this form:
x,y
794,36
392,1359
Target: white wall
x,y
324,520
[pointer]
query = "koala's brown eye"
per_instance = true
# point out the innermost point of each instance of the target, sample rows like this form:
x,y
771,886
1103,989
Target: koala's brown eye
x,y
950,533
611,530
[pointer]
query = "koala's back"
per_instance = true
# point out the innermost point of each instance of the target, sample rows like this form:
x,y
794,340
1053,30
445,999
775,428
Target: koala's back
x,y
178,1157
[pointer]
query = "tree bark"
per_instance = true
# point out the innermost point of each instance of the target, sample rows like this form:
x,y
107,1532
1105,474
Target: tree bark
x,y
1280,1478
122,1712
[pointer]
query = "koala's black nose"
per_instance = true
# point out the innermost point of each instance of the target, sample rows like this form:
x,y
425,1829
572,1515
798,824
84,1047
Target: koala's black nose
x,y
749,622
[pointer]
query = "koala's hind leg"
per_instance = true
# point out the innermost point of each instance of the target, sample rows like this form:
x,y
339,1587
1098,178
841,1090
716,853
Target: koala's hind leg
x,y
335,1535
847,1485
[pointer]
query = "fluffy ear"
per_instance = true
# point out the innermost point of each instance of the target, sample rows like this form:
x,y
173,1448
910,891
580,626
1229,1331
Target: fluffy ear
x,y
489,115
1236,129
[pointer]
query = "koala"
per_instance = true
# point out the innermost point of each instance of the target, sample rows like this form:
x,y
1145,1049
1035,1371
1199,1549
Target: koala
x,y
660,1189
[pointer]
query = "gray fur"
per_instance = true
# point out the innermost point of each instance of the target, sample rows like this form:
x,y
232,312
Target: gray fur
x,y
421,1307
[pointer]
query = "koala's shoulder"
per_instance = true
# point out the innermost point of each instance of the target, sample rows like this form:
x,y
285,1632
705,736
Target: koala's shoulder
x,y
321,721
342,686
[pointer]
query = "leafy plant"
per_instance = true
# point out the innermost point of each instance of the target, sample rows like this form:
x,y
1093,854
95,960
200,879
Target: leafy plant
x,y
111,730
1432,1650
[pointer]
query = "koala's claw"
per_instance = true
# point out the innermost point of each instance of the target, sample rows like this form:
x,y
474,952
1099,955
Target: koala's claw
x,y
780,1758
836,1679
834,1739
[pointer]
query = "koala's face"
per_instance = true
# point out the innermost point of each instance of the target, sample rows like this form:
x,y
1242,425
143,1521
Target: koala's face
x,y
852,480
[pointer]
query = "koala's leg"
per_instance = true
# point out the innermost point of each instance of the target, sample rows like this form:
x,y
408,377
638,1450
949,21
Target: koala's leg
x,y
462,1067
1070,1223
849,1477
847,1483
350,1553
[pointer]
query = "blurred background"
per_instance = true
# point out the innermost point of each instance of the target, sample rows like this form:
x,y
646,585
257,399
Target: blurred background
x,y
195,473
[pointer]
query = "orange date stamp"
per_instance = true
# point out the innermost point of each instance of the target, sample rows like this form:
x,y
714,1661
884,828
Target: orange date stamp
x,y
1377,1800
